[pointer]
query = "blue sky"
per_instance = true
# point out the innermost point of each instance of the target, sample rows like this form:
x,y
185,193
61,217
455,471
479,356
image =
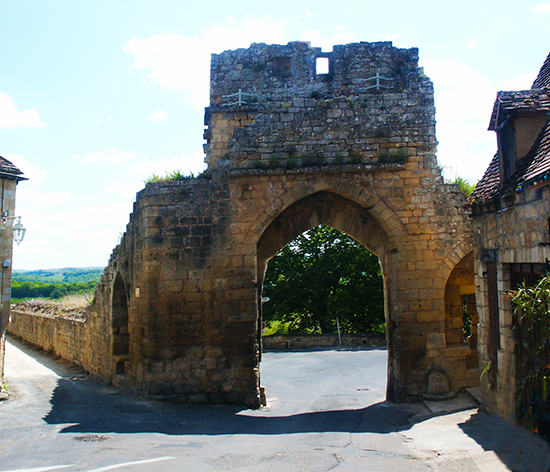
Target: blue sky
x,y
95,96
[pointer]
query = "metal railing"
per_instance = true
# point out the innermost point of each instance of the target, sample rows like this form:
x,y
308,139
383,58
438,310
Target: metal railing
x,y
243,98
378,84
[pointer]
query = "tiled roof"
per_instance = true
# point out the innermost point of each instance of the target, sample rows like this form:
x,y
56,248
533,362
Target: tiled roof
x,y
543,79
536,165
489,184
524,102
532,168
7,167
539,158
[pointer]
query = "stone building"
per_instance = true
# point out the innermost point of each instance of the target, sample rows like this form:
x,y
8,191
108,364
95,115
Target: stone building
x,y
289,146
510,208
9,177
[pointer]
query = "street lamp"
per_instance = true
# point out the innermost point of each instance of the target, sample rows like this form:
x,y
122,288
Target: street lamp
x,y
15,223
18,231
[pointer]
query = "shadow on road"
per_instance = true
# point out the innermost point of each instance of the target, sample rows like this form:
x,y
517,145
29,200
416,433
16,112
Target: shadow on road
x,y
81,405
89,407
516,447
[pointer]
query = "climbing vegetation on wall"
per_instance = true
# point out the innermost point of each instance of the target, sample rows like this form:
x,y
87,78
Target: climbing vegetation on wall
x,y
531,323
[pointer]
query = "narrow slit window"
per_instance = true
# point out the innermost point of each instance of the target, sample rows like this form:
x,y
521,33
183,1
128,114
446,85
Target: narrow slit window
x,y
322,65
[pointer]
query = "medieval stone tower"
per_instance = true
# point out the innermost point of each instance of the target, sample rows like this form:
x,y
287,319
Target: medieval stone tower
x,y
288,148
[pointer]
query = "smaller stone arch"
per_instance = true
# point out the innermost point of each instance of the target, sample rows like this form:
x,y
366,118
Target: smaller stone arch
x,y
120,346
460,304
460,299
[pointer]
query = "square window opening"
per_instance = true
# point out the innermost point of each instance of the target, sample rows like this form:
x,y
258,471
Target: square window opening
x,y
322,65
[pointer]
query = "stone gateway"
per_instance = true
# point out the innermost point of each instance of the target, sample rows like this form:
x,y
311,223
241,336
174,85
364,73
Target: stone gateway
x,y
289,146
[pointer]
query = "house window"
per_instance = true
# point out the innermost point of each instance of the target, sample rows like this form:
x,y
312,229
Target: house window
x,y
529,274
506,152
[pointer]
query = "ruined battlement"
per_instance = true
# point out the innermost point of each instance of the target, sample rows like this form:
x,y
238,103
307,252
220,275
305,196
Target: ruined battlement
x,y
271,108
275,72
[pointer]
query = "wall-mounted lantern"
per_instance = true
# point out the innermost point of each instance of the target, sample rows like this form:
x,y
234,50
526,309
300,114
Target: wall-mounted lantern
x,y
15,223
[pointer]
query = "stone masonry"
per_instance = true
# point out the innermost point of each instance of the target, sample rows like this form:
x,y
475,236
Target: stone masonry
x,y
177,312
516,231
10,176
510,209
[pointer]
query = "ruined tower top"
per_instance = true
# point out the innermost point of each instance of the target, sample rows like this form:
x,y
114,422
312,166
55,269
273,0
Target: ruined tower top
x,y
294,70
287,106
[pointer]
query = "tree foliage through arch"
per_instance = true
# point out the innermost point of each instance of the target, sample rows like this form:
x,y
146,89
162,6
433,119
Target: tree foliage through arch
x,y
323,275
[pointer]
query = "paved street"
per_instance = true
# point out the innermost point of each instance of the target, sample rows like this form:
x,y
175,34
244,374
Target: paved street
x,y
326,411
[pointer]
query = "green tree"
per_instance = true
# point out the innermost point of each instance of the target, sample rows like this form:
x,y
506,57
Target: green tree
x,y
322,275
25,290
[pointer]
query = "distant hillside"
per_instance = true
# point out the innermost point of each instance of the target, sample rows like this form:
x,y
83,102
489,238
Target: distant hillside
x,y
67,275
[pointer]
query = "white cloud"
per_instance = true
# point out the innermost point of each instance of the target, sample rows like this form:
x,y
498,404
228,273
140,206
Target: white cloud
x,y
393,36
193,163
113,156
233,34
32,198
158,115
94,216
464,101
461,92
521,82
473,43
541,8
179,62
126,190
32,172
10,117
79,237
318,39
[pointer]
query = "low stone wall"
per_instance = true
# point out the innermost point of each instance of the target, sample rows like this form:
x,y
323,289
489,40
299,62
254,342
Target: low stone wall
x,y
306,341
48,326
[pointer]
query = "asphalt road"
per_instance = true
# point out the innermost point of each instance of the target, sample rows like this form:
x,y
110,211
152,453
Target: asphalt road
x,y
326,411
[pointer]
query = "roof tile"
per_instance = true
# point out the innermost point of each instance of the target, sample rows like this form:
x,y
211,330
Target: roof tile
x,y
524,102
543,79
8,167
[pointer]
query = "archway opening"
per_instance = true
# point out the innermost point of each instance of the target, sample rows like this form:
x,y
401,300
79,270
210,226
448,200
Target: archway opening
x,y
336,213
324,290
461,316
324,282
120,331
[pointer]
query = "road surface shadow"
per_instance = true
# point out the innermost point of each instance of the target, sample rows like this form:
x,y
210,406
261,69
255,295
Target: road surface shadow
x,y
90,407
85,405
516,447
82,405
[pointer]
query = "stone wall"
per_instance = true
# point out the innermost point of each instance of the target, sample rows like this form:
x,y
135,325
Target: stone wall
x,y
308,341
177,312
47,325
294,117
506,232
7,207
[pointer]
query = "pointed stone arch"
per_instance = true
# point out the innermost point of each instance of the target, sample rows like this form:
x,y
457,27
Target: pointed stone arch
x,y
120,346
346,215
461,350
379,211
